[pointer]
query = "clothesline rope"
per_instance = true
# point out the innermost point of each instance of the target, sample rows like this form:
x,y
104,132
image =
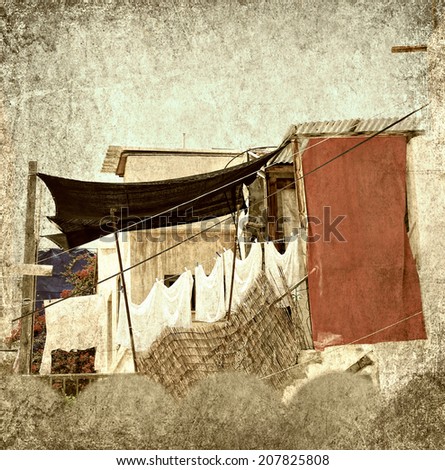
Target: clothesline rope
x,y
283,145
375,134
146,219
347,344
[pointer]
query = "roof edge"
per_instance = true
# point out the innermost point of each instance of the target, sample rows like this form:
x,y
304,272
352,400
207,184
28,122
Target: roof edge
x,y
116,156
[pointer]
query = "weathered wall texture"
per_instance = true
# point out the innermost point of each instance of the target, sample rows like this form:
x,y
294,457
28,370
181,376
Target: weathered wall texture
x,y
201,249
157,168
78,76
426,199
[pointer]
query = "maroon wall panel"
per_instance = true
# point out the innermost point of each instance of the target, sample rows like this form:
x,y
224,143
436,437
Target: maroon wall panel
x,y
365,287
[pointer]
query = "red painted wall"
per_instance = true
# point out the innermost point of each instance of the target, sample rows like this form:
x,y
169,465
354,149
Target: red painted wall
x,y
365,287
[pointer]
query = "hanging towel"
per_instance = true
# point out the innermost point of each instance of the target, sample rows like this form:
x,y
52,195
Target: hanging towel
x,y
163,307
209,297
246,271
289,263
76,323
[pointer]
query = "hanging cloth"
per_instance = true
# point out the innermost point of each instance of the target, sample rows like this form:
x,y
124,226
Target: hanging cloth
x,y
83,207
209,296
163,307
289,262
140,321
175,302
77,323
246,271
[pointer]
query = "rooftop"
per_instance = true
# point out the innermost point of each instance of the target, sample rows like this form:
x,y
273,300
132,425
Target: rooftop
x,y
116,157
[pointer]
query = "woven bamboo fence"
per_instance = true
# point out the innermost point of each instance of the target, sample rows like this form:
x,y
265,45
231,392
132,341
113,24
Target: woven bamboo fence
x,y
260,338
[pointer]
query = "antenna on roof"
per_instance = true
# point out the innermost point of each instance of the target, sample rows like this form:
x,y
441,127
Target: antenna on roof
x,y
183,140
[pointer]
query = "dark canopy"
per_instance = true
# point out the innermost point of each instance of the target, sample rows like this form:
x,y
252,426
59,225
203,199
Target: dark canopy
x,y
83,207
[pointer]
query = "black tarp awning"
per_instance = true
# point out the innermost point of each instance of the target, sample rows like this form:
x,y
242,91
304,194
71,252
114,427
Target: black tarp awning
x,y
83,207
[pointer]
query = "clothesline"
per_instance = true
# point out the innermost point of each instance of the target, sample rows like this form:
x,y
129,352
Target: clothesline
x,y
227,218
283,145
375,134
198,263
171,306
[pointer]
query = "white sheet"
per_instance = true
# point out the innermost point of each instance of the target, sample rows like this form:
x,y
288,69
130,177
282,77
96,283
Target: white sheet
x,y
246,271
209,297
76,323
164,306
288,261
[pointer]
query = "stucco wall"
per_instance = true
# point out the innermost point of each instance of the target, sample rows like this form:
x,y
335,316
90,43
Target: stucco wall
x,y
157,168
426,202
201,249
79,75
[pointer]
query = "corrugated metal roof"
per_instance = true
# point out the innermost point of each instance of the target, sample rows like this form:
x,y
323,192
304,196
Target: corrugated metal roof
x,y
284,157
408,125
411,125
356,126
326,127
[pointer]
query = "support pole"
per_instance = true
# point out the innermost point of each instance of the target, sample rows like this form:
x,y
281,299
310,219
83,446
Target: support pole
x,y
124,288
297,321
29,281
234,262
304,303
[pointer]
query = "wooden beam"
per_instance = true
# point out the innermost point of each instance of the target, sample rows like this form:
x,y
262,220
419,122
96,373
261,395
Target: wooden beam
x,y
272,207
303,303
299,183
33,269
29,281
418,48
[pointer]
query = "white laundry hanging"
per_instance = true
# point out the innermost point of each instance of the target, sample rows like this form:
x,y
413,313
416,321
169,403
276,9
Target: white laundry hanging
x,y
246,271
288,262
163,307
243,219
140,321
175,301
209,293
76,323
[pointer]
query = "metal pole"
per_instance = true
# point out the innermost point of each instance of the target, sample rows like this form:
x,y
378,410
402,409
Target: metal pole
x,y
234,262
124,288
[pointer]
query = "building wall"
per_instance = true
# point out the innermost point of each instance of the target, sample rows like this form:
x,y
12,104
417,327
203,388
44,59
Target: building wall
x,y
80,75
157,168
201,249
426,200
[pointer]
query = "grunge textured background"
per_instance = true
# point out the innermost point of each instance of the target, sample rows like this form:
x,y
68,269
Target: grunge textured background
x,y
80,75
